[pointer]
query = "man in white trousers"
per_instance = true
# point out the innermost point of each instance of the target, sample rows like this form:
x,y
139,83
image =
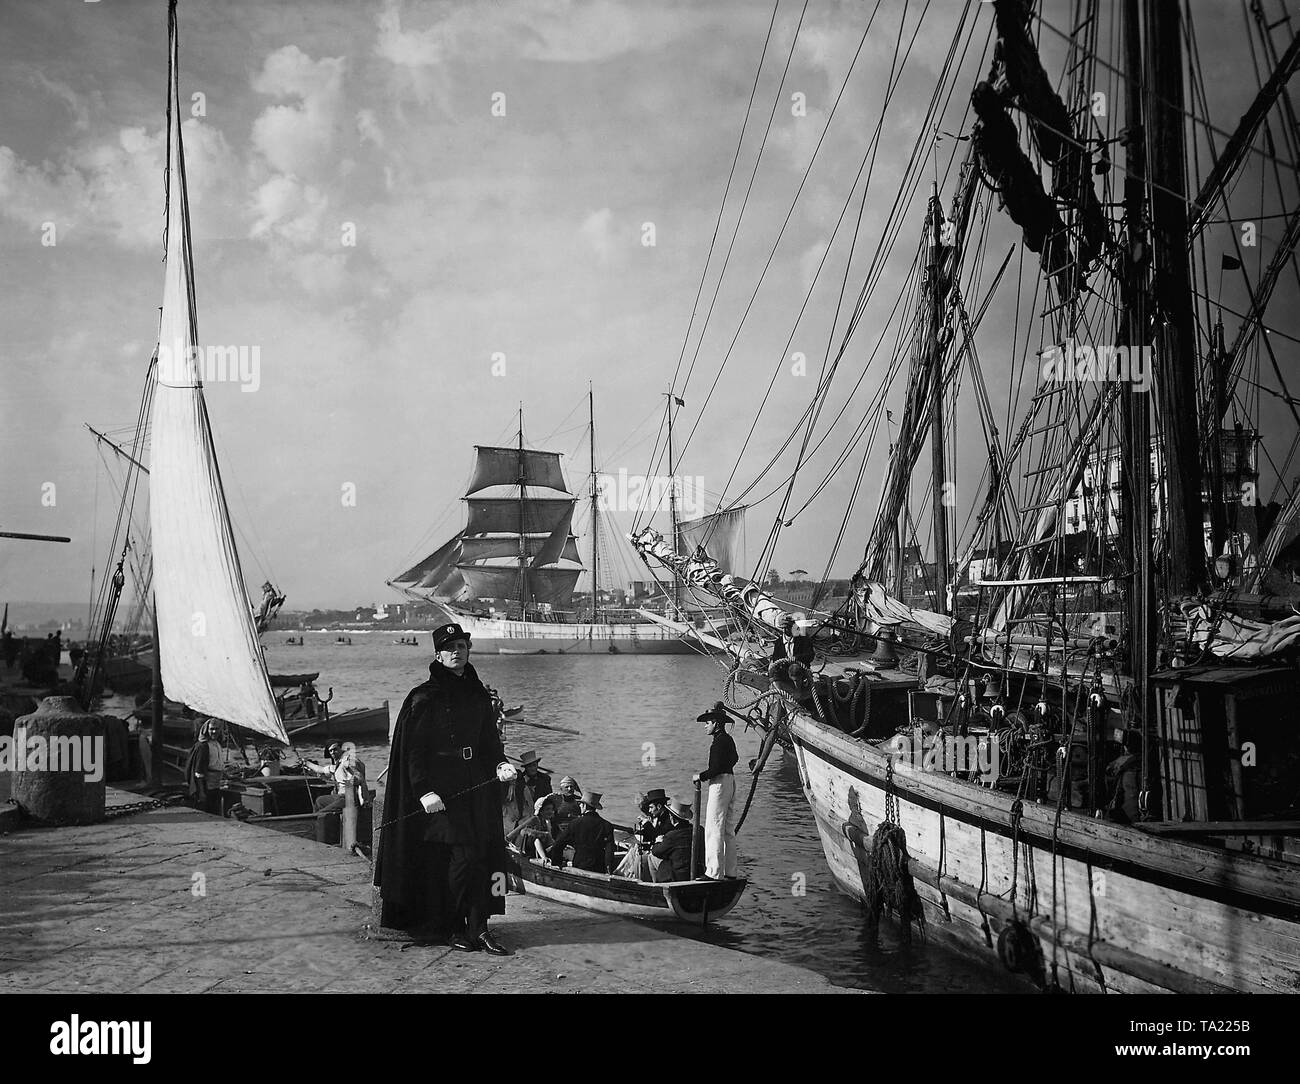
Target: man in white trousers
x,y
719,833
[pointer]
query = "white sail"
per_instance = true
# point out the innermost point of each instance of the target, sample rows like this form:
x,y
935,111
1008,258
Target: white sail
x,y
211,658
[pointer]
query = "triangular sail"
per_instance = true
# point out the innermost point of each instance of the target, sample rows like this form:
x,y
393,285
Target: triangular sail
x,y
211,657
721,535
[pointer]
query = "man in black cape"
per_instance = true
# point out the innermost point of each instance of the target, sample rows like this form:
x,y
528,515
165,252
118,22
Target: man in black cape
x,y
441,861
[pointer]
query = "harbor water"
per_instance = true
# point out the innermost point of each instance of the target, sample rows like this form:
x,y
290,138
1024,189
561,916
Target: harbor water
x,y
636,718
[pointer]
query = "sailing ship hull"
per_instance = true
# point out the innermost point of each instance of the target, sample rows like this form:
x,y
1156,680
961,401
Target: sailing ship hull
x,y
507,637
1107,907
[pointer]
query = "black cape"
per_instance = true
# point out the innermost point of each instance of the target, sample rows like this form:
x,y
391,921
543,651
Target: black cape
x,y
439,720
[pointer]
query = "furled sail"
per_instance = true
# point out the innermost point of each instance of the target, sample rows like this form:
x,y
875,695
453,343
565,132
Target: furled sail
x,y
721,535
211,658
502,467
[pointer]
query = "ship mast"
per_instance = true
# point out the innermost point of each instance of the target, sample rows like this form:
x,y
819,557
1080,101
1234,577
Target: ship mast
x,y
1180,447
523,539
939,491
672,500
1135,493
595,512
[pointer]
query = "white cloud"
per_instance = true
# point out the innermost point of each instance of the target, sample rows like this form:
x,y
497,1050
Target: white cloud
x,y
368,128
288,209
595,231
115,188
298,138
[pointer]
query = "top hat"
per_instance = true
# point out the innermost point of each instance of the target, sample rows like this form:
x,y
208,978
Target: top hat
x,y
448,634
656,795
681,810
530,757
591,798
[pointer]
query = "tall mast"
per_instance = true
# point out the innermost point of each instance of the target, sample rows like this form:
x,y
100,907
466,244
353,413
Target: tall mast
x,y
1135,492
523,541
936,413
1176,355
672,498
595,511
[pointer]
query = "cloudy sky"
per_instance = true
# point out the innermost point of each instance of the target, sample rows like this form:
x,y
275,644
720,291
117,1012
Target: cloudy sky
x,y
423,215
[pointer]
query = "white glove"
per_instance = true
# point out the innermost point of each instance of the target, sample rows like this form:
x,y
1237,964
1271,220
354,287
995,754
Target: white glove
x,y
506,772
432,803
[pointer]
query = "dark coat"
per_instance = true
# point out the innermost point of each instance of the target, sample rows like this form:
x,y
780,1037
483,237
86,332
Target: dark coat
x,y
803,650
722,757
523,793
592,840
439,721
675,849
650,831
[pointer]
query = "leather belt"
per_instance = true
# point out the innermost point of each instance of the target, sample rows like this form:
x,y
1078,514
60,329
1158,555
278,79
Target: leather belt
x,y
465,752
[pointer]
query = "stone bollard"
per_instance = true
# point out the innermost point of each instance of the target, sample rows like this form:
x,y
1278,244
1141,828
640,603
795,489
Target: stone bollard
x,y
62,744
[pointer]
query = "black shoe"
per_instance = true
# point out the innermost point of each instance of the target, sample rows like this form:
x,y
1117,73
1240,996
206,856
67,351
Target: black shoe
x,y
461,943
488,943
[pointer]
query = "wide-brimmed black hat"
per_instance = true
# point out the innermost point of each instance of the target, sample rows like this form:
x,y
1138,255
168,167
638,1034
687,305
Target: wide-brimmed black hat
x,y
715,714
448,634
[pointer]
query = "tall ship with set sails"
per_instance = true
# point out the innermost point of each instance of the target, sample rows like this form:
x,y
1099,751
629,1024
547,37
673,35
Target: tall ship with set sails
x,y
1069,738
508,577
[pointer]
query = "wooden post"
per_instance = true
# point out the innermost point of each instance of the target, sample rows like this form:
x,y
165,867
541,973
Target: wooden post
x,y
695,833
348,821
156,712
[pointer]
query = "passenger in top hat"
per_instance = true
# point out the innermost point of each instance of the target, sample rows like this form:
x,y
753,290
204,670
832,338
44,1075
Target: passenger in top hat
x,y
531,783
654,821
670,858
442,853
650,827
590,836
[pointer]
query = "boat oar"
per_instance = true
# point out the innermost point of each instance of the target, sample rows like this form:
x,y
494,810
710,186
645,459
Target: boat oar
x,y
769,740
546,726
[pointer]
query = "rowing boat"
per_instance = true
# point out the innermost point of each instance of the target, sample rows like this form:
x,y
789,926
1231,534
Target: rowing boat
x,y
695,902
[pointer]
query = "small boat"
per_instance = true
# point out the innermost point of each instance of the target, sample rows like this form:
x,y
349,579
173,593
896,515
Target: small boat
x,y
355,723
695,902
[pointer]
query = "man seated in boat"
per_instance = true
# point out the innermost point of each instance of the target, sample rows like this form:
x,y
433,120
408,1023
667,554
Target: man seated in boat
x,y
670,858
590,836
530,784
533,836
345,768
650,827
568,808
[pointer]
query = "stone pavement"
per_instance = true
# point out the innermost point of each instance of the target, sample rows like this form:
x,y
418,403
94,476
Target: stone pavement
x,y
176,901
